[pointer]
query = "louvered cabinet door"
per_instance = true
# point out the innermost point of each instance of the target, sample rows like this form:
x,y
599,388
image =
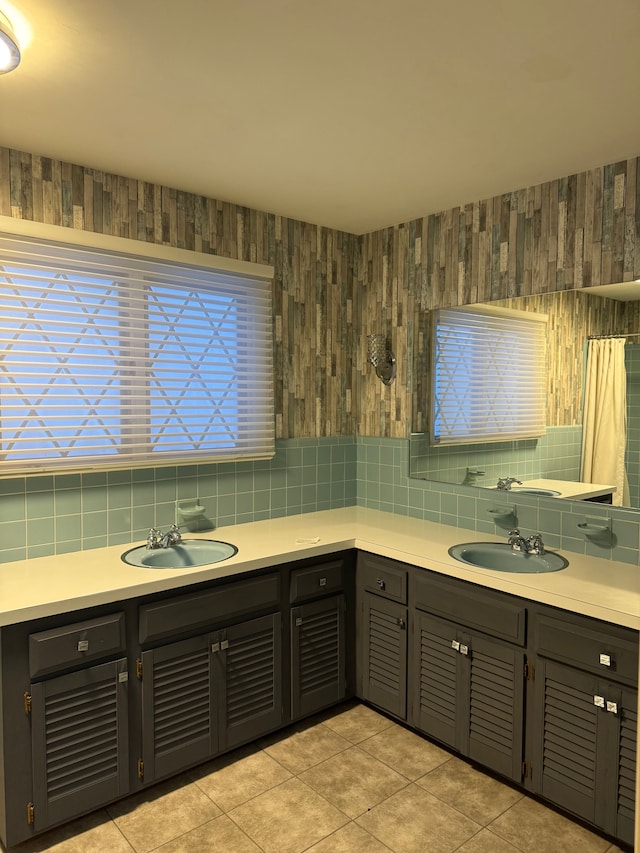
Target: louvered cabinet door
x,y
436,679
495,728
179,707
318,677
384,647
80,742
249,670
468,692
586,746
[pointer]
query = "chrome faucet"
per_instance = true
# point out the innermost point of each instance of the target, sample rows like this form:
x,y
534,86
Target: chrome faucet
x,y
505,483
532,545
516,541
155,539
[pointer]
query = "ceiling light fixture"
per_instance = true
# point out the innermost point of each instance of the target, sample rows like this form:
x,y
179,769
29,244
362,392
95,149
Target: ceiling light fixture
x,y
9,47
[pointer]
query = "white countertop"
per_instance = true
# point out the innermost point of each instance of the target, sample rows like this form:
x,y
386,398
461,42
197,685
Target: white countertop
x,y
45,586
569,489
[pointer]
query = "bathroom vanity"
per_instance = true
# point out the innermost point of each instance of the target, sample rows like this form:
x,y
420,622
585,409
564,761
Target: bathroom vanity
x,y
115,677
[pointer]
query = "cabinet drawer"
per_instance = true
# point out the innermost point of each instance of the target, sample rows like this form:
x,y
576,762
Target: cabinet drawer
x,y
383,577
314,581
588,647
201,609
79,642
474,607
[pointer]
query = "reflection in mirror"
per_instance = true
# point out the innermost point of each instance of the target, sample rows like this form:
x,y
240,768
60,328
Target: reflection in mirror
x,y
574,316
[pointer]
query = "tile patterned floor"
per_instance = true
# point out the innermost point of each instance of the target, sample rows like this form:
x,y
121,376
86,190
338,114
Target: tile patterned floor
x,y
351,781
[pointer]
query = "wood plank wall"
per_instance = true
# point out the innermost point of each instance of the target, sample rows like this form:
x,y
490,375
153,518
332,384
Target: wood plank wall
x,y
314,270
331,289
572,233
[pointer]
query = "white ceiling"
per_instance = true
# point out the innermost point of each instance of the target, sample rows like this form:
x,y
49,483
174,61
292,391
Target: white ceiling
x,y
356,114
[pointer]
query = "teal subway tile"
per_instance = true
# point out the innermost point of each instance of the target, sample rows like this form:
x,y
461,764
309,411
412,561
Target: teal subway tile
x,y
123,538
8,555
12,507
309,493
294,477
94,479
69,546
118,522
14,486
143,516
626,534
13,534
94,500
449,505
40,531
169,473
324,492
39,484
226,506
67,481
261,501
68,527
261,481
118,478
94,542
46,549
400,496
119,496
244,481
187,489
278,499
309,456
39,505
68,501
187,472
143,493
165,490
244,503
143,475
94,525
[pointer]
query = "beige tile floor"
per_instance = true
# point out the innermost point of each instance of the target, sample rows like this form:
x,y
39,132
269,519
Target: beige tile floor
x,y
350,781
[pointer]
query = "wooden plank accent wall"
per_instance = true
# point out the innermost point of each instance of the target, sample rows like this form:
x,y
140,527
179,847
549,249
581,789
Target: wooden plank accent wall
x,y
568,234
314,270
331,289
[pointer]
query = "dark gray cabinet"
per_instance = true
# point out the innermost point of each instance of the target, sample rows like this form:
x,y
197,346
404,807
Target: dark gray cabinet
x,y
318,636
78,713
206,694
382,633
80,748
468,691
211,692
318,655
467,670
583,746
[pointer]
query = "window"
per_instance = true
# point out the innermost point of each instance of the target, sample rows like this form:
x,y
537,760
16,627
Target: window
x,y
488,375
108,359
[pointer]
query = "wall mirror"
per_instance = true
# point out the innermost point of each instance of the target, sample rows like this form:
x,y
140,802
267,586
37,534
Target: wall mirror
x,y
573,316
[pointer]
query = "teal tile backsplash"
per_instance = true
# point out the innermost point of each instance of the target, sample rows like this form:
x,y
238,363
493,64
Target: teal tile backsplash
x,y
45,515
55,515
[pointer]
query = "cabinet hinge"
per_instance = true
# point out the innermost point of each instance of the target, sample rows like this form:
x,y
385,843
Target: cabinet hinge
x,y
139,669
529,671
31,814
140,769
27,702
527,770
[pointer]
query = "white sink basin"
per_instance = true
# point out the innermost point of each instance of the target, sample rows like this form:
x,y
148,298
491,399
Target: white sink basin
x,y
500,557
189,554
534,490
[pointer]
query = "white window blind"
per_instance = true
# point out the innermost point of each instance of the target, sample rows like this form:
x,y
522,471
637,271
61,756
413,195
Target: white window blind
x,y
112,360
488,376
